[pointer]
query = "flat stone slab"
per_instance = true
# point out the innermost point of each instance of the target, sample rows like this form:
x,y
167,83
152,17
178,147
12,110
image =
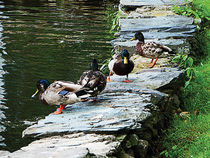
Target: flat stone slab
x,y
150,11
114,112
142,63
166,23
121,107
72,146
137,3
150,78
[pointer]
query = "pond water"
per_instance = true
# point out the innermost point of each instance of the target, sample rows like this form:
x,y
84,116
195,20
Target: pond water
x,y
51,39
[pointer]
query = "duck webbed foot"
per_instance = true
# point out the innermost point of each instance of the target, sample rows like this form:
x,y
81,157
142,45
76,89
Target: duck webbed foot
x,y
59,110
127,80
151,65
108,78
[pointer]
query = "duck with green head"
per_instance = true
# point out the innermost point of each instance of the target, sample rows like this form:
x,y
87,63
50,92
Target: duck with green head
x,y
121,65
93,79
60,93
151,49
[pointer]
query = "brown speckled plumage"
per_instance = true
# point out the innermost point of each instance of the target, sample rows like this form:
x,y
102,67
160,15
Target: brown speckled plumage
x,y
151,49
93,79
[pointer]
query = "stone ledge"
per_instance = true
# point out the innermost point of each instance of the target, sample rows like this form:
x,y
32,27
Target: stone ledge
x,y
73,145
139,3
121,123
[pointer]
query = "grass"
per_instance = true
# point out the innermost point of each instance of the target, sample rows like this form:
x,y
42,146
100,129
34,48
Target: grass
x,y
189,136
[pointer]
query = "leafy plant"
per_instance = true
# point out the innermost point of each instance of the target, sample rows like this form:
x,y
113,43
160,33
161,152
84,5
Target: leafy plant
x,y
193,8
185,10
186,64
115,21
170,153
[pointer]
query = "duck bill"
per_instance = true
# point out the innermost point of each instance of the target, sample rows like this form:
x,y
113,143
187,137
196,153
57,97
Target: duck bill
x,y
125,60
134,38
37,91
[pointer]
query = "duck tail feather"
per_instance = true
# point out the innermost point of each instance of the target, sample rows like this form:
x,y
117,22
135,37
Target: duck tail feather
x,y
169,50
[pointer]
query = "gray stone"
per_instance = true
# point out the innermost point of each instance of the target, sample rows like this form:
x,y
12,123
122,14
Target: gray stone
x,y
175,22
132,141
118,108
74,146
3,106
4,153
151,11
2,116
1,138
115,111
2,128
138,3
141,148
152,79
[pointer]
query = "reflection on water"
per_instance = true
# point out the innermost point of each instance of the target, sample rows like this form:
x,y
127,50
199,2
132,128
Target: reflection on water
x,y
45,39
2,91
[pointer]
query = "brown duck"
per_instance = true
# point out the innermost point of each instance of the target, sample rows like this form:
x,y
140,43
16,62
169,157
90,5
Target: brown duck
x,y
60,93
151,49
93,79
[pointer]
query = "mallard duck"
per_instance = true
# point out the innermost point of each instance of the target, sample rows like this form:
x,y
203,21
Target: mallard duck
x,y
93,79
121,65
151,49
60,93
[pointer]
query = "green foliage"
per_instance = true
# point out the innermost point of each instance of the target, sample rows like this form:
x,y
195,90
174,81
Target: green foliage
x,y
170,153
196,96
186,63
185,10
202,8
115,20
198,9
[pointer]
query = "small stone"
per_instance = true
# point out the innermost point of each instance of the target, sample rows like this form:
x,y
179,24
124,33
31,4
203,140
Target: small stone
x,y
141,148
132,141
4,153
185,115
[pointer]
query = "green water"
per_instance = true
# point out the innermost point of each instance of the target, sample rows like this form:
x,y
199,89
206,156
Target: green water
x,y
51,39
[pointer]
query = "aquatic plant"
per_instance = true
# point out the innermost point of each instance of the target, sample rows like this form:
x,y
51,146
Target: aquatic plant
x,y
115,20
